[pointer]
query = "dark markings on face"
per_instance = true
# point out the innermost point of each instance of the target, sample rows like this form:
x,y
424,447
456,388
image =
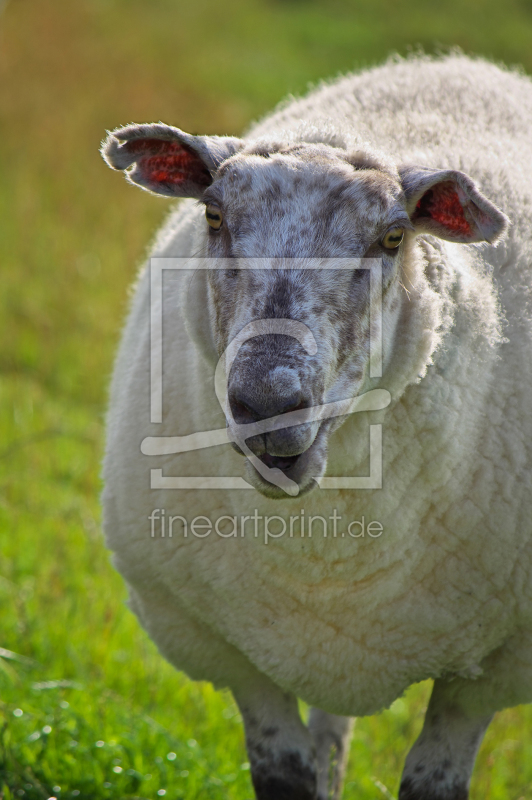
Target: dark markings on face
x,y
310,201
281,301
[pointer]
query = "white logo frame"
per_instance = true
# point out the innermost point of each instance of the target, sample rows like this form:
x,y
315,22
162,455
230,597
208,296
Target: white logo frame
x,y
374,400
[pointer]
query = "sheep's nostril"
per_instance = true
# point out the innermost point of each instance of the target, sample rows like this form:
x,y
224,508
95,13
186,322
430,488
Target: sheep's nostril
x,y
242,413
294,406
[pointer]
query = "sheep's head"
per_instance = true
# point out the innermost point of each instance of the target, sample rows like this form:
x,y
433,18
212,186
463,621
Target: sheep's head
x,y
285,220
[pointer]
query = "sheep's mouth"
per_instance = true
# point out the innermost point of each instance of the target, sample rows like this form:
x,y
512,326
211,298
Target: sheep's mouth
x,y
302,469
284,463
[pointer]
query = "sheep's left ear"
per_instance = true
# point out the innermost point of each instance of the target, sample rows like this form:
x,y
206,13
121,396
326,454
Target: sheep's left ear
x,y
165,160
447,204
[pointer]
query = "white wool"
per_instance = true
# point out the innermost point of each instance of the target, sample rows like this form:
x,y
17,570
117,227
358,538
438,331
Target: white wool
x,y
349,623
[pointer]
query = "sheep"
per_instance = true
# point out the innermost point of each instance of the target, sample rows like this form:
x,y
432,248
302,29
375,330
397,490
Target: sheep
x,y
426,573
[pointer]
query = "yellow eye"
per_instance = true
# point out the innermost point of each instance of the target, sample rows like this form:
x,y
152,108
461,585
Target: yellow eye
x,y
214,217
393,238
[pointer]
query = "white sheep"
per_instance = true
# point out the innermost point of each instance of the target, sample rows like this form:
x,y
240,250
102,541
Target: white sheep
x,y
439,587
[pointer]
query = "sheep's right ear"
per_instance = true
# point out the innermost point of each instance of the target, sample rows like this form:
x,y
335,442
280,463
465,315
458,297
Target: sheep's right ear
x,y
165,160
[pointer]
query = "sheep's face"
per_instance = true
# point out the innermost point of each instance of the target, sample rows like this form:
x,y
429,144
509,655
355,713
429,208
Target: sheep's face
x,y
295,225
291,301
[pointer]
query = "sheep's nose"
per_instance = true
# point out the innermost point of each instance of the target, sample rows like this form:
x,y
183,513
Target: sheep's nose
x,y
249,406
256,394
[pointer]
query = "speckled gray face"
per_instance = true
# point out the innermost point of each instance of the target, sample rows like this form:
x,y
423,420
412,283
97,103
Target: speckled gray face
x,y
289,209
286,219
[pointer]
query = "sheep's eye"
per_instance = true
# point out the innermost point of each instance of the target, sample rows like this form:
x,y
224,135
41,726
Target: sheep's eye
x,y
393,238
214,217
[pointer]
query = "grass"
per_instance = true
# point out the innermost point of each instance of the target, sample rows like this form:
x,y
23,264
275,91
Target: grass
x,y
87,708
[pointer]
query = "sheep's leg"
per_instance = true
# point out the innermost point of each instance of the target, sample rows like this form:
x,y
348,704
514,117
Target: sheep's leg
x,y
332,735
280,748
440,763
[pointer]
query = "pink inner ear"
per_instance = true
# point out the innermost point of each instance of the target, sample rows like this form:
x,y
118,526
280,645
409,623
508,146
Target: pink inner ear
x,y
441,204
168,162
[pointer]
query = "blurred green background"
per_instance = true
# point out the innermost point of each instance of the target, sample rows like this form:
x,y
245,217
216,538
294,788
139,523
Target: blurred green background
x,y
87,707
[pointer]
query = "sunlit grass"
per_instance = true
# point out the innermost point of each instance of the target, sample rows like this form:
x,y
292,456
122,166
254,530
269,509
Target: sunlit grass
x,y
101,710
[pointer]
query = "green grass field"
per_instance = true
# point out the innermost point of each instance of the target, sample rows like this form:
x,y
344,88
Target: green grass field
x,y
87,707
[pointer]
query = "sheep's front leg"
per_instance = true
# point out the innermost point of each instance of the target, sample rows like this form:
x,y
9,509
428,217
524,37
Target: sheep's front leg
x,y
280,748
440,763
332,735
